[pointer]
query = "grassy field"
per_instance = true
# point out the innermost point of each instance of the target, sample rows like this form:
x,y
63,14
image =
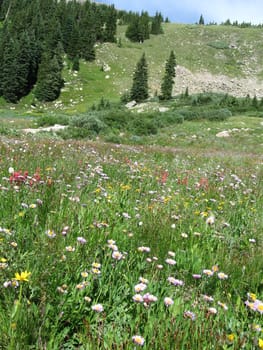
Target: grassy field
x,y
147,232
106,246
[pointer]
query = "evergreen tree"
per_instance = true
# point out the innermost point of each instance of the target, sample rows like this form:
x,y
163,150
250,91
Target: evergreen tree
x,y
49,81
87,33
201,20
139,28
139,90
168,79
110,25
9,71
157,24
75,64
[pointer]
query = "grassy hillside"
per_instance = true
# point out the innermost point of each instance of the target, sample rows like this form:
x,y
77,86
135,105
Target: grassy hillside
x,y
220,50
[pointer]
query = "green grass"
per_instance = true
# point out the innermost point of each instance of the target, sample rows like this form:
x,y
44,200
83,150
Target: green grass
x,y
139,196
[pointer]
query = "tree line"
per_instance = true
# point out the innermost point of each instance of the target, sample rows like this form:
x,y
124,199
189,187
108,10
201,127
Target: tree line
x,y
36,34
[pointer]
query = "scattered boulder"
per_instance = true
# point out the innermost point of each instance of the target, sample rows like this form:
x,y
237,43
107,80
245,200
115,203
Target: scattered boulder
x,y
224,133
163,109
131,104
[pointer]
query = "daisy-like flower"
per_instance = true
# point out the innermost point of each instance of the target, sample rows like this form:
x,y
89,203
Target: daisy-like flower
x,y
212,310
50,233
117,255
168,301
257,327
190,314
170,261
140,287
208,298
87,299
143,280
23,276
149,298
224,306
210,220
81,285
138,298
84,274
144,249
138,340
81,240
175,281
209,273
96,265
113,247
7,284
222,276
172,254
70,248
196,276
258,306
160,267
110,241
95,271
98,308
215,268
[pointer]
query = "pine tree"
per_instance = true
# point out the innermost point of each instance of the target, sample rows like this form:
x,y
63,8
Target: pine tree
x,y
49,82
201,20
157,24
139,28
75,64
110,25
139,90
9,71
168,79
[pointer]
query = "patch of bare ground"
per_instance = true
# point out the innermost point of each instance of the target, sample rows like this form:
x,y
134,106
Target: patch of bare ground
x,y
207,82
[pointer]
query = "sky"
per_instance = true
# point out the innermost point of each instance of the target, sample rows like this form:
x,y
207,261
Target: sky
x,y
189,11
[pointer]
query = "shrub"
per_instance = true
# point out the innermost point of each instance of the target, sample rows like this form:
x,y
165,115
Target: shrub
x,y
218,114
143,126
86,125
169,118
117,119
50,120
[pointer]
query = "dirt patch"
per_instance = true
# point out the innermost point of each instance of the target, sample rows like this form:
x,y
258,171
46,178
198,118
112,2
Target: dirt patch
x,y
53,128
207,82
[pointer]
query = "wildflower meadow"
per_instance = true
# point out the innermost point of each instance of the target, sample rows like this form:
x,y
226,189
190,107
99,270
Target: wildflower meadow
x,y
104,246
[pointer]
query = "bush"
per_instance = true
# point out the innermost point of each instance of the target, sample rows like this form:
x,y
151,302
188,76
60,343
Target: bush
x,y
143,126
91,123
189,114
169,118
83,126
217,115
50,120
117,119
210,114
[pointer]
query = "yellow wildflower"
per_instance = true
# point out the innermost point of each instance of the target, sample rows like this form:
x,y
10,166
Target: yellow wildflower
x,y
260,343
23,276
231,337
